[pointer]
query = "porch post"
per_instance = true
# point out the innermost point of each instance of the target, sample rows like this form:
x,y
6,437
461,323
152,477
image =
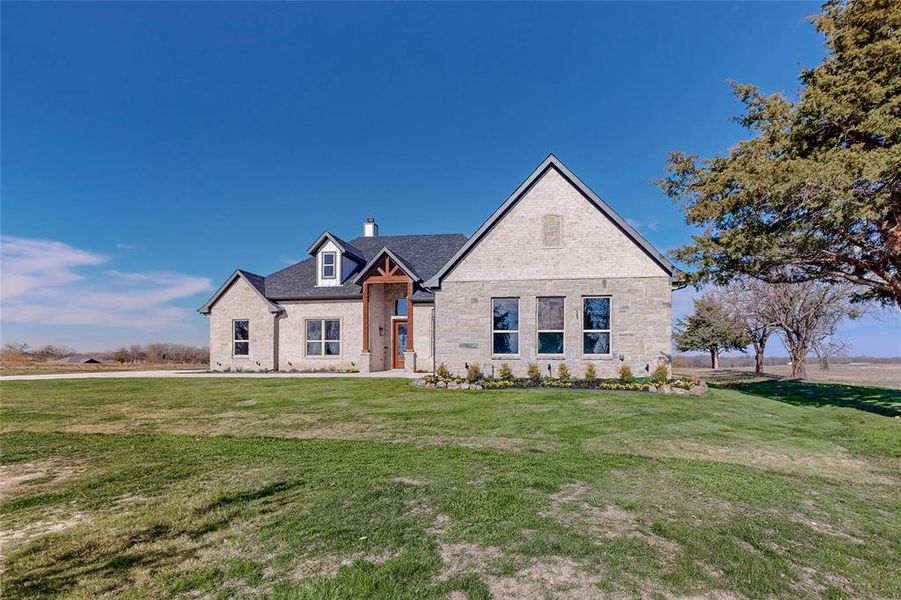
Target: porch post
x,y
365,317
409,316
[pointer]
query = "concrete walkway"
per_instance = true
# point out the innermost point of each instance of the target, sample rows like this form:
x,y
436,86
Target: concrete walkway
x,y
199,374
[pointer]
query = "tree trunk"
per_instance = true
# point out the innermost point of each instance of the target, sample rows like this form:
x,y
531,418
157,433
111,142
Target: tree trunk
x,y
799,369
714,358
759,347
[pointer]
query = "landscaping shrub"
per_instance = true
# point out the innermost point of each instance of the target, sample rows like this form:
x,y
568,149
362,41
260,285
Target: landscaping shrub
x,y
625,374
504,372
473,372
533,372
590,373
563,371
660,374
442,371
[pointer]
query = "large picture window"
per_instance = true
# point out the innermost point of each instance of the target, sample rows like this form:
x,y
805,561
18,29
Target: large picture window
x,y
323,337
328,265
550,325
240,337
596,325
505,325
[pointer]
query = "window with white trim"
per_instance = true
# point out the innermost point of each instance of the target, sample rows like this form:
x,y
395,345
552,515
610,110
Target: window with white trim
x,y
596,325
240,337
329,260
505,325
550,325
323,337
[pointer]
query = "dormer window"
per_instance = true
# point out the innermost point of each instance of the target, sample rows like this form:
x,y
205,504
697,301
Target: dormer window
x,y
328,265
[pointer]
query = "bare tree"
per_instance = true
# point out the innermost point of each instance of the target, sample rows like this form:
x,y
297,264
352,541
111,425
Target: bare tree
x,y
808,313
750,302
828,349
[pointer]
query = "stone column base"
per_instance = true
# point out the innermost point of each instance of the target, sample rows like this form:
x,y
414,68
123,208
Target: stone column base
x,y
364,363
410,362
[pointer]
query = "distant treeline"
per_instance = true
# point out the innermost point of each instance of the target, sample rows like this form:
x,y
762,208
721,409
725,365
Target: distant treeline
x,y
152,353
700,361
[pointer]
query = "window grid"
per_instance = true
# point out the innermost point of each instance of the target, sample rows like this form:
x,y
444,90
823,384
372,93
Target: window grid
x,y
325,339
510,333
328,265
561,331
586,332
240,337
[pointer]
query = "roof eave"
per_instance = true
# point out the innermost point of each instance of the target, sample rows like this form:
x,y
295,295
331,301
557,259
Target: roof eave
x,y
208,307
326,235
374,260
550,161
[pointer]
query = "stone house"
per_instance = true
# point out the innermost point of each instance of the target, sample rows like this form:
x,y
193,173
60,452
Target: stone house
x,y
554,275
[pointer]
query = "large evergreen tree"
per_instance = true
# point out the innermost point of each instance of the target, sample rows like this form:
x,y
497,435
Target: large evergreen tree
x,y
711,328
815,193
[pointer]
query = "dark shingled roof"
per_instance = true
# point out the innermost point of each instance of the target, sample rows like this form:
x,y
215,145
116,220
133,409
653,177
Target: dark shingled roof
x,y
257,281
423,254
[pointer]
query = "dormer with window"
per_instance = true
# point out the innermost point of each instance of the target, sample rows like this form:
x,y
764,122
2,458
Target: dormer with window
x,y
335,260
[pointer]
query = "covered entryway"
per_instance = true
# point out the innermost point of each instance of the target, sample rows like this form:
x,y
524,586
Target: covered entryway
x,y
387,314
399,344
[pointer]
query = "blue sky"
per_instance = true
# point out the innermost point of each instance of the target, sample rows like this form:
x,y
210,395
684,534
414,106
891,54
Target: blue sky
x,y
149,149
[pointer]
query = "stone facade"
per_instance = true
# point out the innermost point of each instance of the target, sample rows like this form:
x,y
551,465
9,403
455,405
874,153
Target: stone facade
x,y
640,326
241,301
592,245
554,242
292,353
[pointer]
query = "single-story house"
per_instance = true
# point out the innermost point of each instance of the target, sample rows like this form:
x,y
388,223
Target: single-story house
x,y
553,275
84,359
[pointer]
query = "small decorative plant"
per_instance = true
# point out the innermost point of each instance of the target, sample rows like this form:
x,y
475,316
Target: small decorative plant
x,y
473,372
504,372
590,373
660,374
625,374
442,371
563,371
533,372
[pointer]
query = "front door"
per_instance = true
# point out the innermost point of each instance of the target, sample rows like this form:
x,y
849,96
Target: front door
x,y
399,344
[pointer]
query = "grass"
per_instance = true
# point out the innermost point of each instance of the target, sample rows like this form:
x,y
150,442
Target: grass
x,y
333,488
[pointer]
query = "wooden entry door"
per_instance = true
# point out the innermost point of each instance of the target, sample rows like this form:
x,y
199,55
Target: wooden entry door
x,y
398,344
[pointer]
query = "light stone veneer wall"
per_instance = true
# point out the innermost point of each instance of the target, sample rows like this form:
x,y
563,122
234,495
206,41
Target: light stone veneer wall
x,y
592,245
422,335
640,323
241,301
292,334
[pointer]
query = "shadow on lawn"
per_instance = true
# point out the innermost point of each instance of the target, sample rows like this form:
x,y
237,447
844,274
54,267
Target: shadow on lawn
x,y
881,401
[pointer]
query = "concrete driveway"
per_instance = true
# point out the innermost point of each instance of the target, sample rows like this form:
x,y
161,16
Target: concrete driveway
x,y
198,374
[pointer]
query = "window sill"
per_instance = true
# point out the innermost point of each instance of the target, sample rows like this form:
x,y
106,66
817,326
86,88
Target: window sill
x,y
598,356
504,356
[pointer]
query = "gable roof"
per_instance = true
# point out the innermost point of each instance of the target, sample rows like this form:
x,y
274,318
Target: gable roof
x,y
257,283
345,247
377,257
551,162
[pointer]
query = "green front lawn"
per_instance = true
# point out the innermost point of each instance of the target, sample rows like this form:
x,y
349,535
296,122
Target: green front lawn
x,y
373,488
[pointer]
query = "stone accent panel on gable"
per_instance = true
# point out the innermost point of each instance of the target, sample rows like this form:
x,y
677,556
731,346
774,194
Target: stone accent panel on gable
x,y
526,244
292,334
640,323
241,301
